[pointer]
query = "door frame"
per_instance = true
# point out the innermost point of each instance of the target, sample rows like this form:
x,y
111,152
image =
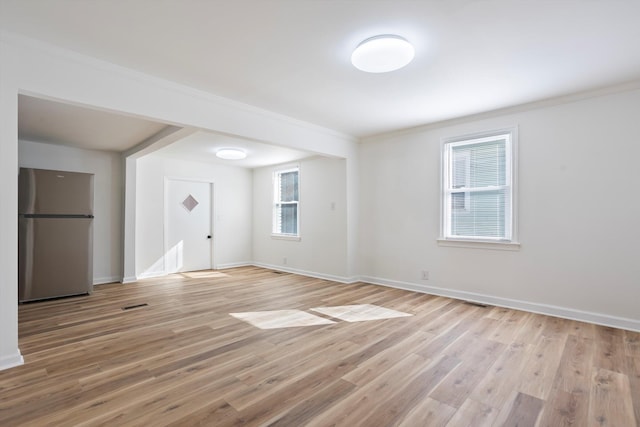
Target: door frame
x,y
165,219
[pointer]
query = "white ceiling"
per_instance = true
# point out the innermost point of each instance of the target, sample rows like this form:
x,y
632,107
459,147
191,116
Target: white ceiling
x,y
54,122
292,57
57,123
202,146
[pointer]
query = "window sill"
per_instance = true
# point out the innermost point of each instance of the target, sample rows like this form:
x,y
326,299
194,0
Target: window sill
x,y
285,237
480,244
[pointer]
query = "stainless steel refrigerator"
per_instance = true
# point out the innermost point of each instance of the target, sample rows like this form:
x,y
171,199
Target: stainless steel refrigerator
x,y
55,227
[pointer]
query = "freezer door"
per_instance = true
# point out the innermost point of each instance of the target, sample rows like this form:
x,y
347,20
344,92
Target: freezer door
x,y
55,192
55,257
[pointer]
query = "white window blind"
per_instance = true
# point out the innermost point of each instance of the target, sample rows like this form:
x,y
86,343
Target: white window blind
x,y
286,201
478,188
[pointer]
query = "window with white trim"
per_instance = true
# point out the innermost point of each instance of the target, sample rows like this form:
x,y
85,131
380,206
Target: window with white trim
x,y
286,199
478,187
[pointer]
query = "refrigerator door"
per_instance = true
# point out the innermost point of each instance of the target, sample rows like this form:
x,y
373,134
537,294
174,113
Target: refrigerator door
x,y
55,257
55,192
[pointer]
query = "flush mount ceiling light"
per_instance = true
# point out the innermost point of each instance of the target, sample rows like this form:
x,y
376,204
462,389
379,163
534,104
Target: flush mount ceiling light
x,y
231,154
381,54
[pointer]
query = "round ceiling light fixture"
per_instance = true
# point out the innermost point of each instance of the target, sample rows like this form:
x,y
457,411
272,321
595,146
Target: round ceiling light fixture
x,y
381,54
231,154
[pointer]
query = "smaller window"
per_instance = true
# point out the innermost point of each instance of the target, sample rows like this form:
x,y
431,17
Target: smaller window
x,y
286,199
478,177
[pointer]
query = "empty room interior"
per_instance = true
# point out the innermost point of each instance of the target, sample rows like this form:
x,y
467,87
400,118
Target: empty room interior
x,y
320,213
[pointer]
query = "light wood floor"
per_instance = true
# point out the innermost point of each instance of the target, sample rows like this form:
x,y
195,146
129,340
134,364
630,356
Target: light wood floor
x,y
184,360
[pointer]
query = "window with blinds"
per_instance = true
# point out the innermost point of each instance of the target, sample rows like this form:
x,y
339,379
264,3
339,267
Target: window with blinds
x,y
286,196
478,187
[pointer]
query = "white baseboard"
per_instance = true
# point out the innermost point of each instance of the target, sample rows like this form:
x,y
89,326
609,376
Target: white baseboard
x,y
551,310
129,279
233,265
150,274
103,280
11,360
331,277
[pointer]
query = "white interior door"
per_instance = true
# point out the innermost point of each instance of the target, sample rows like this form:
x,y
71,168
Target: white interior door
x,y
188,218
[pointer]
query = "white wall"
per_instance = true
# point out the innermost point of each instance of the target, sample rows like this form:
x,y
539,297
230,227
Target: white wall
x,y
107,225
322,248
232,206
9,352
578,222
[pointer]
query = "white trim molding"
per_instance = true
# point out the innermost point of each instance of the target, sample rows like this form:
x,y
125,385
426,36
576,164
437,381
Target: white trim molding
x,y
233,265
151,274
105,280
11,361
546,309
339,279
479,244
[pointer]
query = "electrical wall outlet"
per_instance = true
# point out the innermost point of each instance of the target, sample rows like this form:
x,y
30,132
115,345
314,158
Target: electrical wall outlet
x,y
284,260
425,275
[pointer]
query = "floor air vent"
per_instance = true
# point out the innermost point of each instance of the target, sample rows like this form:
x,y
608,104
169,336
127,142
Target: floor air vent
x,y
129,307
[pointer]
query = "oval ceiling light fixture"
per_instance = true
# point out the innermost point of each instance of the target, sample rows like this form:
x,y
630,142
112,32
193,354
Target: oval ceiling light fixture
x,y
231,154
381,54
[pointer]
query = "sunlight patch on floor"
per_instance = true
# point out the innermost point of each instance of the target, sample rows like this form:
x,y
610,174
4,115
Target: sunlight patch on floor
x,y
360,312
281,319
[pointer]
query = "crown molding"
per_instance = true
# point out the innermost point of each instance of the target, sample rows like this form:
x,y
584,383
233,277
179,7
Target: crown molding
x,y
628,86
